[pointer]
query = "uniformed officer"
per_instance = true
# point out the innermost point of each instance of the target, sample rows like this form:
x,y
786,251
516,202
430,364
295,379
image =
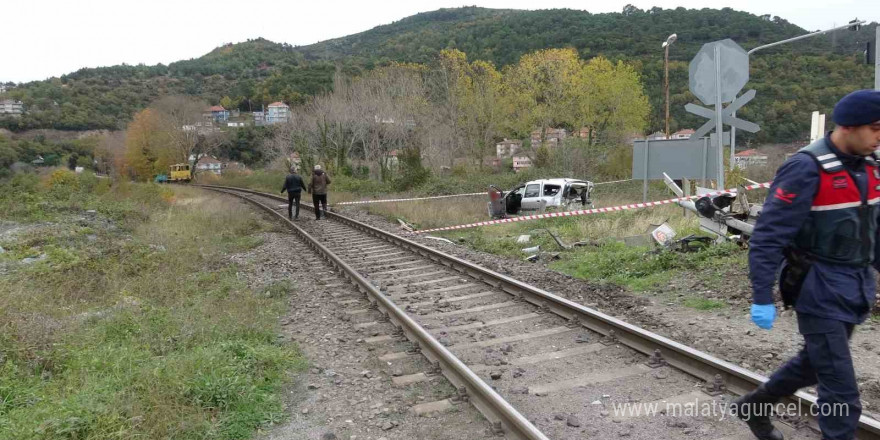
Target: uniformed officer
x,y
818,232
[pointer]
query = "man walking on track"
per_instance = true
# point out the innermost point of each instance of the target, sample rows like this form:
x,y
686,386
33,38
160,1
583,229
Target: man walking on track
x,y
294,185
819,224
318,188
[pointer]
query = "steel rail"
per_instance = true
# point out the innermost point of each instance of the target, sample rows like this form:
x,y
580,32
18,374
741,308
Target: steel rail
x,y
503,416
702,365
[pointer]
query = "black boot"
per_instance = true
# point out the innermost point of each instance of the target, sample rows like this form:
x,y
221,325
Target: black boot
x,y
755,409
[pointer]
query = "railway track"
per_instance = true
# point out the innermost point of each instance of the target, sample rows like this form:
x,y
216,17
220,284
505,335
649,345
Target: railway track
x,y
535,364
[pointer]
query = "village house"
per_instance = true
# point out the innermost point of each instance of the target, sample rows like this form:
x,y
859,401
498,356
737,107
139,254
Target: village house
x,y
553,137
216,114
259,118
657,136
507,148
9,107
684,133
234,166
749,158
521,162
209,164
278,113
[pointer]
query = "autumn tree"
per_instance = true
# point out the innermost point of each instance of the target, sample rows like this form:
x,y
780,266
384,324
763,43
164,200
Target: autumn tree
x,y
611,101
482,115
540,90
145,145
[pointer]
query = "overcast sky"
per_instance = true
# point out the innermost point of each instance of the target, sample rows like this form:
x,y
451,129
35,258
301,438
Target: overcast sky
x,y
45,38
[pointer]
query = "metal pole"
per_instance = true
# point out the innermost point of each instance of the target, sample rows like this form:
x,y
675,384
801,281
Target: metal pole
x,y
877,60
848,25
705,161
719,127
666,69
645,183
732,143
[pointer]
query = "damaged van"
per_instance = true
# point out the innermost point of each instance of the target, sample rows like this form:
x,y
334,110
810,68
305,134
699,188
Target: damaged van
x,y
541,196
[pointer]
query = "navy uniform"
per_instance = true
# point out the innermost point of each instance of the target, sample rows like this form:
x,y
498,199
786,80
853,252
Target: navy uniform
x,y
294,185
819,221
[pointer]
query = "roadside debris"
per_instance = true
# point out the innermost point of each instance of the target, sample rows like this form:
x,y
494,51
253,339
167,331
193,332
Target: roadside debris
x,y
406,226
440,239
531,250
558,240
522,239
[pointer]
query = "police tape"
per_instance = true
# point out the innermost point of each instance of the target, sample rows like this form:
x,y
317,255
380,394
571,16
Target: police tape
x,y
361,202
613,181
591,211
364,202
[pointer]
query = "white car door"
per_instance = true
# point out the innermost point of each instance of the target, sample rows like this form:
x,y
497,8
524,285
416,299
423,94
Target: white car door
x,y
532,198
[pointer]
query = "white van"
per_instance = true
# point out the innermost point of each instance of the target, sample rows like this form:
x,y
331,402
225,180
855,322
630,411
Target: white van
x,y
543,195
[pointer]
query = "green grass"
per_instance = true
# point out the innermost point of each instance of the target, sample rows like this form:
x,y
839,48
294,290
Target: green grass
x,y
135,325
703,304
636,268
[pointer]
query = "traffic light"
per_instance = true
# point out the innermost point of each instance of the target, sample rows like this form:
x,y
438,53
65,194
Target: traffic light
x,y
870,53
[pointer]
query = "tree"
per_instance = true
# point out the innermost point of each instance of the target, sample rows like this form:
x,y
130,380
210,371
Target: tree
x,y
540,92
482,115
71,161
145,142
186,140
611,101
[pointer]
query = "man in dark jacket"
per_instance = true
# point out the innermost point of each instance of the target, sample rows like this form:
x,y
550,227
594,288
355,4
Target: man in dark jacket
x,y
318,188
819,223
294,185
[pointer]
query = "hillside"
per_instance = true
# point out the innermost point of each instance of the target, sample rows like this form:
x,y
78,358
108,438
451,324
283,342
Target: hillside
x,y
791,80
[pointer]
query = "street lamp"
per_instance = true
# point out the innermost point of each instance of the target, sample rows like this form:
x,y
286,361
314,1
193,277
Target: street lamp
x,y
669,40
852,25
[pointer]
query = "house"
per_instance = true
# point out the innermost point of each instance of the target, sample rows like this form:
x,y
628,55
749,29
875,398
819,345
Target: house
x,y
392,161
507,148
216,114
553,137
682,134
295,160
521,162
234,166
259,119
657,136
210,164
11,107
583,133
749,158
278,113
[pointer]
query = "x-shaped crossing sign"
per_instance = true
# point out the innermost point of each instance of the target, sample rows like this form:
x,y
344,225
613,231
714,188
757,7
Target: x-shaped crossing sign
x,y
726,116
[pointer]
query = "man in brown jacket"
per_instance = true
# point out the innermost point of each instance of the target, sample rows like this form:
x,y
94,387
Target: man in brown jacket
x,y
318,188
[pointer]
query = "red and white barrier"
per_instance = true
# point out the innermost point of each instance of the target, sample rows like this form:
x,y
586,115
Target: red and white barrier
x,y
590,211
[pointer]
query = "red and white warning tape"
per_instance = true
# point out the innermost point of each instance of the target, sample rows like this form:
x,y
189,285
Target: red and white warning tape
x,y
411,199
363,202
590,211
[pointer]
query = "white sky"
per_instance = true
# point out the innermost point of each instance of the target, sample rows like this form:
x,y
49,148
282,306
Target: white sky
x,y
45,38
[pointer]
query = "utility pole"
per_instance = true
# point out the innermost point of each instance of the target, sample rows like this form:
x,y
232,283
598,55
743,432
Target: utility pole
x,y
877,59
666,44
853,25
666,87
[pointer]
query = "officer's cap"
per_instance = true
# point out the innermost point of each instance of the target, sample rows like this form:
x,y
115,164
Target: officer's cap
x,y
861,107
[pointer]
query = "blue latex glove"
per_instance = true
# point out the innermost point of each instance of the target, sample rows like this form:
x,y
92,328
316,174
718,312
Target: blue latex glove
x,y
763,315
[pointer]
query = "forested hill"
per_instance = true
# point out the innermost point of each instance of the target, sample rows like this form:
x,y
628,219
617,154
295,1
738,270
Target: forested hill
x,y
503,35
791,80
